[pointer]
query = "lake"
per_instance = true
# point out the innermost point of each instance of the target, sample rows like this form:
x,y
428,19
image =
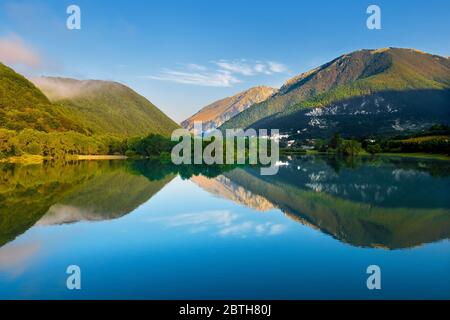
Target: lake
x,y
142,230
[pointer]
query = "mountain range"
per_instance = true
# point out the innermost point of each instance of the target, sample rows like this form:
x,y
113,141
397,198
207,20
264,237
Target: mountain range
x,y
363,93
214,115
367,92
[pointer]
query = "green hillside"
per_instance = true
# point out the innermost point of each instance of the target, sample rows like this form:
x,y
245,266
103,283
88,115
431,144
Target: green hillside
x,y
88,107
104,107
81,117
22,106
363,73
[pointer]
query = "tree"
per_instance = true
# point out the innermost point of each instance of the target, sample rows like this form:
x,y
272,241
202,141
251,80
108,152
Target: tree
x,y
374,148
34,148
320,145
335,141
349,147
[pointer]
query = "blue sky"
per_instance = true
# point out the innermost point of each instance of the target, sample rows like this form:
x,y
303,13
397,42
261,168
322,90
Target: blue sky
x,y
182,55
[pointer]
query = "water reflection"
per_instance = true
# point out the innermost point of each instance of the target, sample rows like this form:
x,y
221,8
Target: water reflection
x,y
229,227
70,192
383,202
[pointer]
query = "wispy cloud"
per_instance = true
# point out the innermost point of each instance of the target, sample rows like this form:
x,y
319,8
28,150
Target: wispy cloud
x,y
213,217
194,66
222,73
219,222
238,67
252,228
249,68
277,67
13,51
207,79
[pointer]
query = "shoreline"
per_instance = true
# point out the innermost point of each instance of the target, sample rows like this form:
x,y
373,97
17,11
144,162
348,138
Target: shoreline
x,y
100,157
417,155
434,156
37,159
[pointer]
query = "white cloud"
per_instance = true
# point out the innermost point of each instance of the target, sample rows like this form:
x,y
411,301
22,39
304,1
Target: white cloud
x,y
194,66
261,68
247,68
207,79
252,228
224,73
219,222
238,67
13,51
277,67
222,217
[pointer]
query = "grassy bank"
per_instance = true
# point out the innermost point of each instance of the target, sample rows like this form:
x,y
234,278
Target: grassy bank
x,y
37,159
101,157
24,159
417,155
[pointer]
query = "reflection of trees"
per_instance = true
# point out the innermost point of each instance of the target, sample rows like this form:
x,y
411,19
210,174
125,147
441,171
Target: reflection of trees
x,y
27,192
154,170
356,223
436,168
347,205
338,162
380,181
96,189
71,191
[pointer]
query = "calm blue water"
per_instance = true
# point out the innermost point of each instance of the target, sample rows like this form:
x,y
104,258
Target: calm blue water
x,y
309,232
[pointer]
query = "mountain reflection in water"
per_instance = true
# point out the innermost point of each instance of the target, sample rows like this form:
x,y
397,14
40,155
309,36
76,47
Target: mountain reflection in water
x,y
383,202
390,203
307,232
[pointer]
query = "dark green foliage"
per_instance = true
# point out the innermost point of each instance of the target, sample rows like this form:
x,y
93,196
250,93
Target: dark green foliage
x,y
434,145
434,140
56,144
374,148
335,141
349,148
337,145
150,146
